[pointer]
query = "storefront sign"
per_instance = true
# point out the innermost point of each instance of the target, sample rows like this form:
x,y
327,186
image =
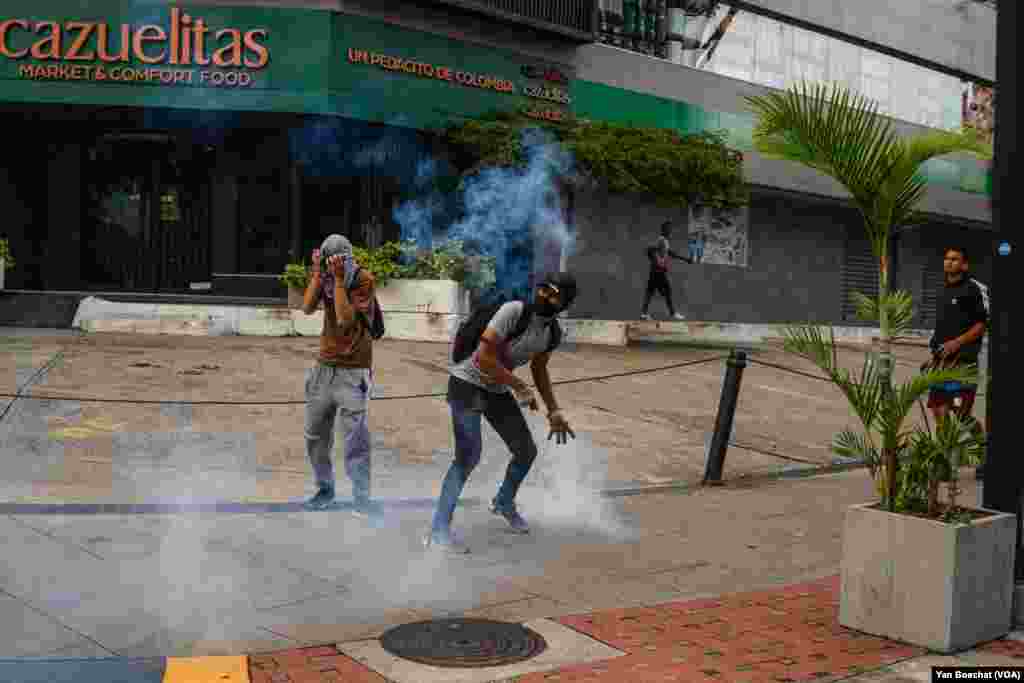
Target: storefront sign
x,y
549,74
148,53
546,114
443,73
549,94
497,84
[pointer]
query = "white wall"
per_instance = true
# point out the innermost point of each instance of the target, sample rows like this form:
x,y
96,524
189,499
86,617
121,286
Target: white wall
x,y
955,33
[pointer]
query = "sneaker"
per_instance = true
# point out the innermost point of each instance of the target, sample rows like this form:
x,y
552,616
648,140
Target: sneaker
x,y
679,316
645,316
323,499
512,516
444,542
365,509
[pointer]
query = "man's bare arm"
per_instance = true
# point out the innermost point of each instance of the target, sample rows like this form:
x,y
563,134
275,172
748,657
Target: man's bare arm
x,y
681,258
972,335
542,380
312,297
343,308
489,363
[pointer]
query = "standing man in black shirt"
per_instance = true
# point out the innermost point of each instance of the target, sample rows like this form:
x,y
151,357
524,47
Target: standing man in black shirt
x,y
657,281
959,328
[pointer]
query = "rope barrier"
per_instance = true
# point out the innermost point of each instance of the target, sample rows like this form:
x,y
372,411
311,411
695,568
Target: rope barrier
x,y
35,376
440,394
790,370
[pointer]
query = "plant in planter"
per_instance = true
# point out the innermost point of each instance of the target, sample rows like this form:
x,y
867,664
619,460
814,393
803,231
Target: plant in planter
x,y
382,261
5,260
296,278
915,569
912,569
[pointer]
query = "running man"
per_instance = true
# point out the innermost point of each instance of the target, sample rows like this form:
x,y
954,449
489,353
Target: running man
x,y
338,387
484,386
960,324
657,281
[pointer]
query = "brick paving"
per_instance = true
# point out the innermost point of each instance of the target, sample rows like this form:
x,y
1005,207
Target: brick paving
x,y
1006,647
784,635
323,664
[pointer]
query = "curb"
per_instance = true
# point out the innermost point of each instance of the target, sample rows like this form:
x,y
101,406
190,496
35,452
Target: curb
x,y
398,503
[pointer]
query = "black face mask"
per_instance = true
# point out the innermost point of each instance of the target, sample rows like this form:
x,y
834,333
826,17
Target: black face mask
x,y
547,309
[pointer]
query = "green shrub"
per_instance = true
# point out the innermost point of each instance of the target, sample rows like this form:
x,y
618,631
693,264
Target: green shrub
x,y
295,275
404,260
5,254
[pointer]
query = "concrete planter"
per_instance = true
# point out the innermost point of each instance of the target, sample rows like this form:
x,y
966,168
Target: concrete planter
x,y
3,266
414,310
921,581
295,297
422,310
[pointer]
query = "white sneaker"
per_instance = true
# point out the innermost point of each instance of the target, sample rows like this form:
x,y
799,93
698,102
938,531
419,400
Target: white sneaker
x,y
444,543
645,316
679,316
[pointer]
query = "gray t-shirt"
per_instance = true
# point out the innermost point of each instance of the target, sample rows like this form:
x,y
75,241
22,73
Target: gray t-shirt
x,y
516,354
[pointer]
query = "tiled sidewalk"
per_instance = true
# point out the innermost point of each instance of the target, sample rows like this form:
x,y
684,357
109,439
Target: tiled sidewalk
x,y
782,635
789,634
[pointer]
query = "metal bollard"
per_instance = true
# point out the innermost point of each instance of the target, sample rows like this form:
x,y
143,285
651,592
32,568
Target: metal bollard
x,y
723,421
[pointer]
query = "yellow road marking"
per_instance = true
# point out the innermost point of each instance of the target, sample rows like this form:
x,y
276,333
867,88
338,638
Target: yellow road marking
x,y
207,670
85,429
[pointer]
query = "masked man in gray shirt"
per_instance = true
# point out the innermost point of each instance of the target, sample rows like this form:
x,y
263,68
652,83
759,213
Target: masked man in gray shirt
x,y
483,385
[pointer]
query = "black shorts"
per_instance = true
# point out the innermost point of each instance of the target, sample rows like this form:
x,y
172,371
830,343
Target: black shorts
x,y
658,283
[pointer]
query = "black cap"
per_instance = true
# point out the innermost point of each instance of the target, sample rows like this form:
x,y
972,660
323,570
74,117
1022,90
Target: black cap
x,y
565,283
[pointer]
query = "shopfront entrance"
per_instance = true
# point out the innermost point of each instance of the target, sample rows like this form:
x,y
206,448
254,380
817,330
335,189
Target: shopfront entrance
x,y
146,215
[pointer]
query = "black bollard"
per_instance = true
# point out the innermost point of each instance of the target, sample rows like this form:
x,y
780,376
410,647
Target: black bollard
x,y
723,421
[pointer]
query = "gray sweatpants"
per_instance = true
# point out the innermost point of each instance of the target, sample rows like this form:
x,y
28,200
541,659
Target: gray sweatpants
x,y
341,393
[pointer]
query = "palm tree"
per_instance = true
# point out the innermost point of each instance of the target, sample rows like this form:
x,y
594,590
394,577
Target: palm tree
x,y
840,133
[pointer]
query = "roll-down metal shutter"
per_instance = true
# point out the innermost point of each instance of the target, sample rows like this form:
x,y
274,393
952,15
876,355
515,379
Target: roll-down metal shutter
x,y
860,274
931,286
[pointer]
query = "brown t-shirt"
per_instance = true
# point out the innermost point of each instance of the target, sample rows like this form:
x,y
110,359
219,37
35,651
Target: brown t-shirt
x,y
352,348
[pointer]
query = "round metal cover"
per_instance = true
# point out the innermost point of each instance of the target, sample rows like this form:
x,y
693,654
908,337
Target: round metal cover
x,y
463,643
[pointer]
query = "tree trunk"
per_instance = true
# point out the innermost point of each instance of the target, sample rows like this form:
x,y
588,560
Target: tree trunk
x,y
933,497
885,366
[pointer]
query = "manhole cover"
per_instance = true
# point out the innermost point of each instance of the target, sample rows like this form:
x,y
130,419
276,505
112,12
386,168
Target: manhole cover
x,y
463,643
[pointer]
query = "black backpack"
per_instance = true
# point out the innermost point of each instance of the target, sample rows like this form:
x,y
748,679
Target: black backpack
x,y
376,325
472,328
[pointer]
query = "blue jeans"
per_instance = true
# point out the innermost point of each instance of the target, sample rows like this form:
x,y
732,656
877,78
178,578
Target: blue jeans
x,y
468,405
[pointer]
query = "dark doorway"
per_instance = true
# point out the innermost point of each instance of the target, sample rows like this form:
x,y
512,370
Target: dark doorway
x,y
147,214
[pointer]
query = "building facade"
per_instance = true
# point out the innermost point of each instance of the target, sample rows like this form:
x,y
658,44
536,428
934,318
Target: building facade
x,y
197,148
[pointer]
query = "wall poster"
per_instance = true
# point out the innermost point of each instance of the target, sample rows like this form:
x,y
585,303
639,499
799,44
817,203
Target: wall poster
x,y
719,236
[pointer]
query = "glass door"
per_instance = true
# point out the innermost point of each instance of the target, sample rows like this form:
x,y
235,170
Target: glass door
x,y
147,228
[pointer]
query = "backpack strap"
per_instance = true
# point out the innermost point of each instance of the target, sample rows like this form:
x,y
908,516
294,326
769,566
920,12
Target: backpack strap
x,y
355,279
522,324
556,335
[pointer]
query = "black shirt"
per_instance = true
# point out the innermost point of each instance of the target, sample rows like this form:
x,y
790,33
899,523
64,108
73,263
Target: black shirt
x,y
961,307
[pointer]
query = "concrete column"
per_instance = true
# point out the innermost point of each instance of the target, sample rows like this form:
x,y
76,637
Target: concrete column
x,y
295,203
1003,468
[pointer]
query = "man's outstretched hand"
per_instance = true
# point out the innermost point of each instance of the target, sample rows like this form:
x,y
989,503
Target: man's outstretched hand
x,y
559,428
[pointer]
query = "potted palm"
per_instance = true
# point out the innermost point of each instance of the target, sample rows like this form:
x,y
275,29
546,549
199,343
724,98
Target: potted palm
x,y
5,260
915,568
912,570
295,277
